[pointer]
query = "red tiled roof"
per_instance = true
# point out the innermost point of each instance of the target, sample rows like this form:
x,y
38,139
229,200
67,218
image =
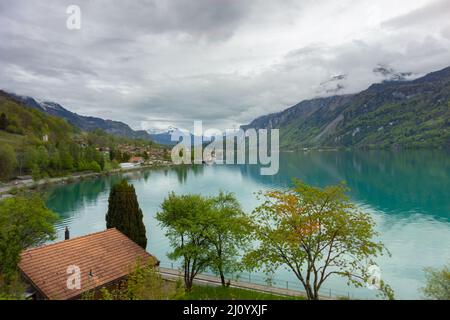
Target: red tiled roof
x,y
108,254
136,159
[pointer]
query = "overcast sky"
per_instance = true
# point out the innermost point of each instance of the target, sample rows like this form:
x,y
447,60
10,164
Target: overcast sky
x,y
157,63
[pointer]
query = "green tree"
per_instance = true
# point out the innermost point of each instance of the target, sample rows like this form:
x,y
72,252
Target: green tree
x,y
113,154
43,158
144,282
12,288
228,234
36,172
125,157
438,283
124,213
30,158
24,222
94,166
101,161
8,162
315,233
55,160
20,156
3,122
66,160
186,219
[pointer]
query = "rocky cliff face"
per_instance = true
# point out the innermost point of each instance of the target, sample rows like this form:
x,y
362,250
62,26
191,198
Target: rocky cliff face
x,y
390,114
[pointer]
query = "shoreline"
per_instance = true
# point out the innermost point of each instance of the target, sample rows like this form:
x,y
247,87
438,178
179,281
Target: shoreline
x,y
6,188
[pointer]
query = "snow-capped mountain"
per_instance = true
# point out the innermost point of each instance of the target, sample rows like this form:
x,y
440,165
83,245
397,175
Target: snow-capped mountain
x,y
165,137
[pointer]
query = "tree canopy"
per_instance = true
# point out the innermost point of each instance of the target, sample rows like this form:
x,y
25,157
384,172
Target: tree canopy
x,y
24,222
48,146
228,234
124,213
205,232
186,219
437,283
144,282
3,121
315,233
7,161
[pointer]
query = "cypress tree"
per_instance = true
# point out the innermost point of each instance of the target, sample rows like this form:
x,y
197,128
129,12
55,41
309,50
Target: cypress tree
x,y
3,122
124,213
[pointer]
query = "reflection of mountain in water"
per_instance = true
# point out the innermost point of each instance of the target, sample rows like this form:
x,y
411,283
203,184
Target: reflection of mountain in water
x,y
403,181
77,195
398,184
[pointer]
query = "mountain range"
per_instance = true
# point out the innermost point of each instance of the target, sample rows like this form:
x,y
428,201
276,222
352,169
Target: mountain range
x,y
87,123
391,114
84,123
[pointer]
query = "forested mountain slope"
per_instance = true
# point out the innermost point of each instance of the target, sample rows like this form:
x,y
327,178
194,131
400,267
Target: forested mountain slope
x,y
400,114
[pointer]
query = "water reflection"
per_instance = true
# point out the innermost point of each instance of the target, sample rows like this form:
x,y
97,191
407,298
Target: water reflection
x,y
393,182
406,193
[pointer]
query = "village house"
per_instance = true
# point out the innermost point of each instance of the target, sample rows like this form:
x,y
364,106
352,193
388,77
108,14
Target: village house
x,y
136,160
103,259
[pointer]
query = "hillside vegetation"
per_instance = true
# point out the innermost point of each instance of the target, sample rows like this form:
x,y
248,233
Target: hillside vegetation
x,y
401,114
84,123
35,143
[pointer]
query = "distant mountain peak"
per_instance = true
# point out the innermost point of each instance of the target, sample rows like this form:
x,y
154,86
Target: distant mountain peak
x,y
86,123
51,105
390,114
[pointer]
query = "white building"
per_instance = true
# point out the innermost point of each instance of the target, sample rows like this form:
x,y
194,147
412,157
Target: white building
x,y
127,165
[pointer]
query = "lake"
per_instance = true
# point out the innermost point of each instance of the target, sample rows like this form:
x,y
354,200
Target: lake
x,y
406,192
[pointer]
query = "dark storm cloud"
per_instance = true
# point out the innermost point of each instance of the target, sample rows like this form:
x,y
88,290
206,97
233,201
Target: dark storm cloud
x,y
205,19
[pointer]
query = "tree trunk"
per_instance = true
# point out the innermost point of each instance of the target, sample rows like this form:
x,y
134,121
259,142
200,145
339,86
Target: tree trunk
x,y
187,278
222,278
188,281
310,294
316,295
188,286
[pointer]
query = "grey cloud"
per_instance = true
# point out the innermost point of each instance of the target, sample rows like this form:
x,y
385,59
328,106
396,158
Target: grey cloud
x,y
159,62
390,74
430,13
332,85
205,19
446,33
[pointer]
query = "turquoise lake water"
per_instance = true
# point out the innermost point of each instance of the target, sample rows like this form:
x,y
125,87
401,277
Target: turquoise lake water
x,y
407,193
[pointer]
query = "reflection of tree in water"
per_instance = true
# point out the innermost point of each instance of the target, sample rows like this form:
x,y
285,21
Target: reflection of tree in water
x,y
197,169
390,181
182,172
393,182
74,196
146,175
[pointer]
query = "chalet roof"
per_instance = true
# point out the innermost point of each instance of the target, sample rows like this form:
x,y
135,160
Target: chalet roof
x,y
136,159
102,257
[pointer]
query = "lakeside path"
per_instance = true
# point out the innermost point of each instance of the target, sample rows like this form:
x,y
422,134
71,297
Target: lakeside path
x,y
5,188
172,274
